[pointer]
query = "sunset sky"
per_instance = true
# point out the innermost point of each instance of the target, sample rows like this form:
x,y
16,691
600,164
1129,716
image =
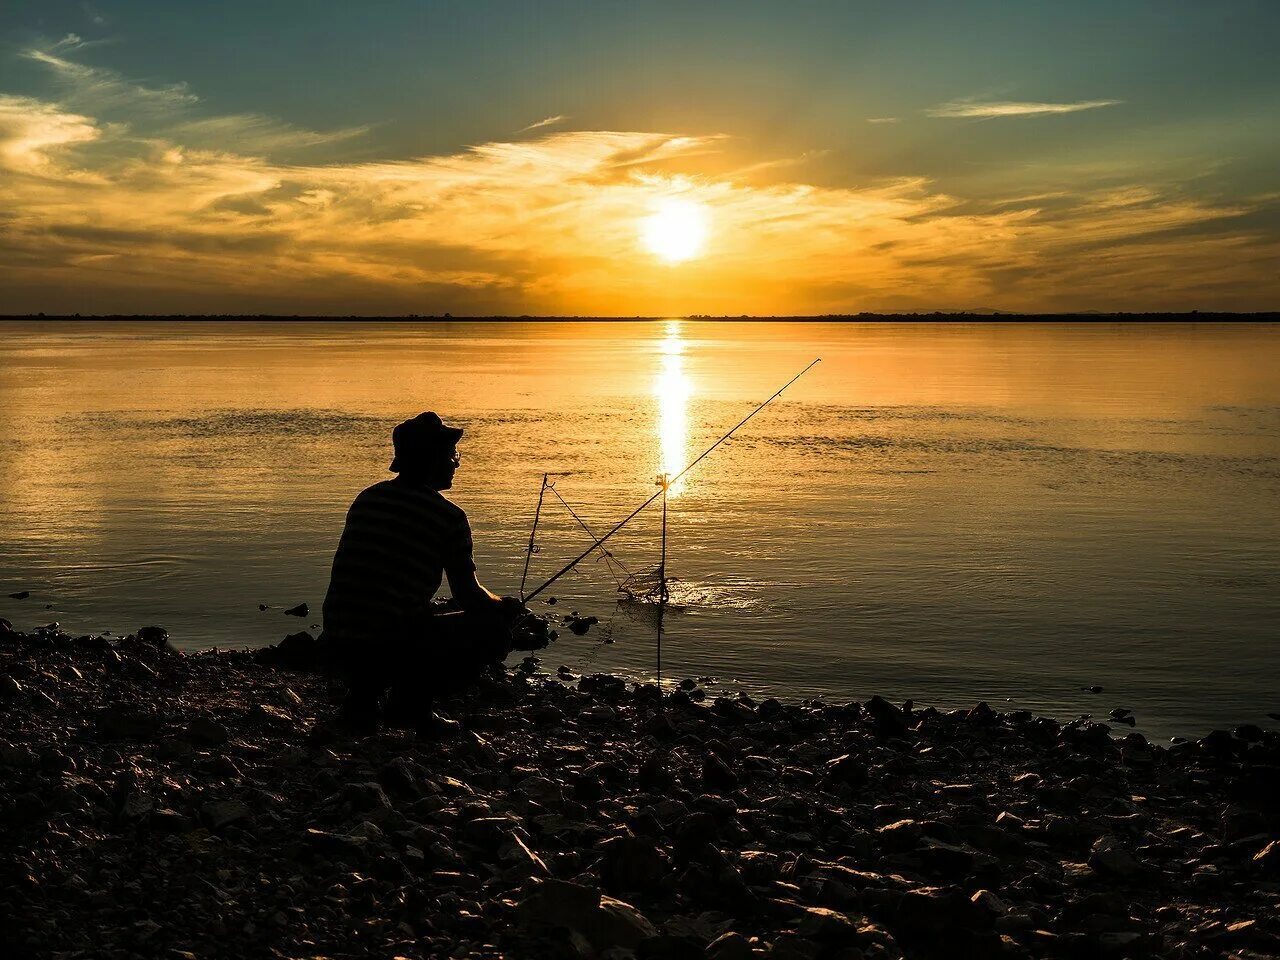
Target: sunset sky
x,y
638,158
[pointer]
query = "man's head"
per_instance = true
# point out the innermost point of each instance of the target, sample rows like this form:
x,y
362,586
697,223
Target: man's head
x,y
426,451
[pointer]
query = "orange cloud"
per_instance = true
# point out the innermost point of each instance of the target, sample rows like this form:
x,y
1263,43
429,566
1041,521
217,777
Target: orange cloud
x,y
195,211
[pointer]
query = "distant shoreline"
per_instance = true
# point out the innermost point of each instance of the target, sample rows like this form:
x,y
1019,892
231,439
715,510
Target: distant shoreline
x,y
941,316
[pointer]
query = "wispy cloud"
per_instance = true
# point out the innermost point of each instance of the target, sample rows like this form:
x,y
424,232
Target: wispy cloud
x,y
544,122
882,119
1013,108
254,133
97,88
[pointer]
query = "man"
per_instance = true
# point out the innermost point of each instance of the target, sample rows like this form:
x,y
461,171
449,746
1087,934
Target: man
x,y
401,538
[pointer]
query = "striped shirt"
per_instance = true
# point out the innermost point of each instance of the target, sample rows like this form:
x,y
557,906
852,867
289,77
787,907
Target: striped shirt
x,y
398,541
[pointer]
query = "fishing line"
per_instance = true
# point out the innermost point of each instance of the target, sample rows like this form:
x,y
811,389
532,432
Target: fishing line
x,y
662,492
606,555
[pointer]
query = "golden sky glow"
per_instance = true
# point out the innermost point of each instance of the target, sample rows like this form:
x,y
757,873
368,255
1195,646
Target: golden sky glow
x,y
158,210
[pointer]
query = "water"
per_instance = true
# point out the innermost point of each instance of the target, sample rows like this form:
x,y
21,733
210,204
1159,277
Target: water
x,y
939,512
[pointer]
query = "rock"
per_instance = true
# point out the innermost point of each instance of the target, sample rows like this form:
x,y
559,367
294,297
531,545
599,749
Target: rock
x,y
886,719
729,946
848,770
716,774
654,774
10,689
136,806
365,797
990,903
350,850
821,923
617,924
517,852
558,903
301,610
981,713
166,820
220,813
15,756
1249,732
297,651
125,722
580,625
20,595
900,835
153,636
937,912
1109,856
1268,858
403,777
205,730
602,685
630,864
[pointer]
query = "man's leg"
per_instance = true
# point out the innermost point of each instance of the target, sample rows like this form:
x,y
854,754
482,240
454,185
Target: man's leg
x,y
367,679
464,645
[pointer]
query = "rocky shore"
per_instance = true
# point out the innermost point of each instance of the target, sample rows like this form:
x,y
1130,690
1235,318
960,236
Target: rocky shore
x,y
160,805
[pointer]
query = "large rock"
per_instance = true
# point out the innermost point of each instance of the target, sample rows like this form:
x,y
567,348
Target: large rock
x,y
220,813
821,923
558,903
630,864
205,730
848,770
886,719
125,722
602,921
717,775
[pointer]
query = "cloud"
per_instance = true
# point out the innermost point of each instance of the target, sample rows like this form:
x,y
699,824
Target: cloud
x,y
33,134
98,88
203,213
1013,108
254,133
882,119
544,122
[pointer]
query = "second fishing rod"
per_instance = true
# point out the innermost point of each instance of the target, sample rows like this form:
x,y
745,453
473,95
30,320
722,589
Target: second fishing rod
x,y
664,486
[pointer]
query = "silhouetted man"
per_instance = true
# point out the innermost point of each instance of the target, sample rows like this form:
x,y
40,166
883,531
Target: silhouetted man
x,y
401,538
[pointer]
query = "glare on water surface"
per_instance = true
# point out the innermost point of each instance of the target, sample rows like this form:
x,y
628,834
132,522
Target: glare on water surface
x,y
672,388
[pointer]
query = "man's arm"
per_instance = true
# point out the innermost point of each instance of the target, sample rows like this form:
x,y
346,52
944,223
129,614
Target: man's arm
x,y
470,592
475,597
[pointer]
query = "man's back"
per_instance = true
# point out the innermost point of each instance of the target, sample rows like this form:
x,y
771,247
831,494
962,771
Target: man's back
x,y
398,540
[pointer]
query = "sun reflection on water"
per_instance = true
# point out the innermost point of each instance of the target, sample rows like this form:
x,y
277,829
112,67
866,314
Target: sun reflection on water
x,y
672,388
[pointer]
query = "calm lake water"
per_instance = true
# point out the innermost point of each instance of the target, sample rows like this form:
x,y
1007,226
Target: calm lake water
x,y
939,512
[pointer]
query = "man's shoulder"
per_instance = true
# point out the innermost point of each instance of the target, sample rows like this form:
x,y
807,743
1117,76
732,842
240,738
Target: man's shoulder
x,y
447,507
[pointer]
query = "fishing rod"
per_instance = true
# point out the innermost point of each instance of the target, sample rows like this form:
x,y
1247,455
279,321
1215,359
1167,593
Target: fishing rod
x,y
532,533
663,487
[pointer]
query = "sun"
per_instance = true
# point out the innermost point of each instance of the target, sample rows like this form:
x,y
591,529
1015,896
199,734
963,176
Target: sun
x,y
677,229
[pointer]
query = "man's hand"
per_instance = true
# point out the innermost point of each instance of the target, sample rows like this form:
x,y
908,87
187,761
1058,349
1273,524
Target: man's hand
x,y
512,610
528,630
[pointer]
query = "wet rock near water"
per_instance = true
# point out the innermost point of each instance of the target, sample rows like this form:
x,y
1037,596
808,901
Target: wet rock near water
x,y
155,804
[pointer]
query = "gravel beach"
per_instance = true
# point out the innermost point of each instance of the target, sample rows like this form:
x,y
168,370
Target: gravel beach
x,y
154,804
